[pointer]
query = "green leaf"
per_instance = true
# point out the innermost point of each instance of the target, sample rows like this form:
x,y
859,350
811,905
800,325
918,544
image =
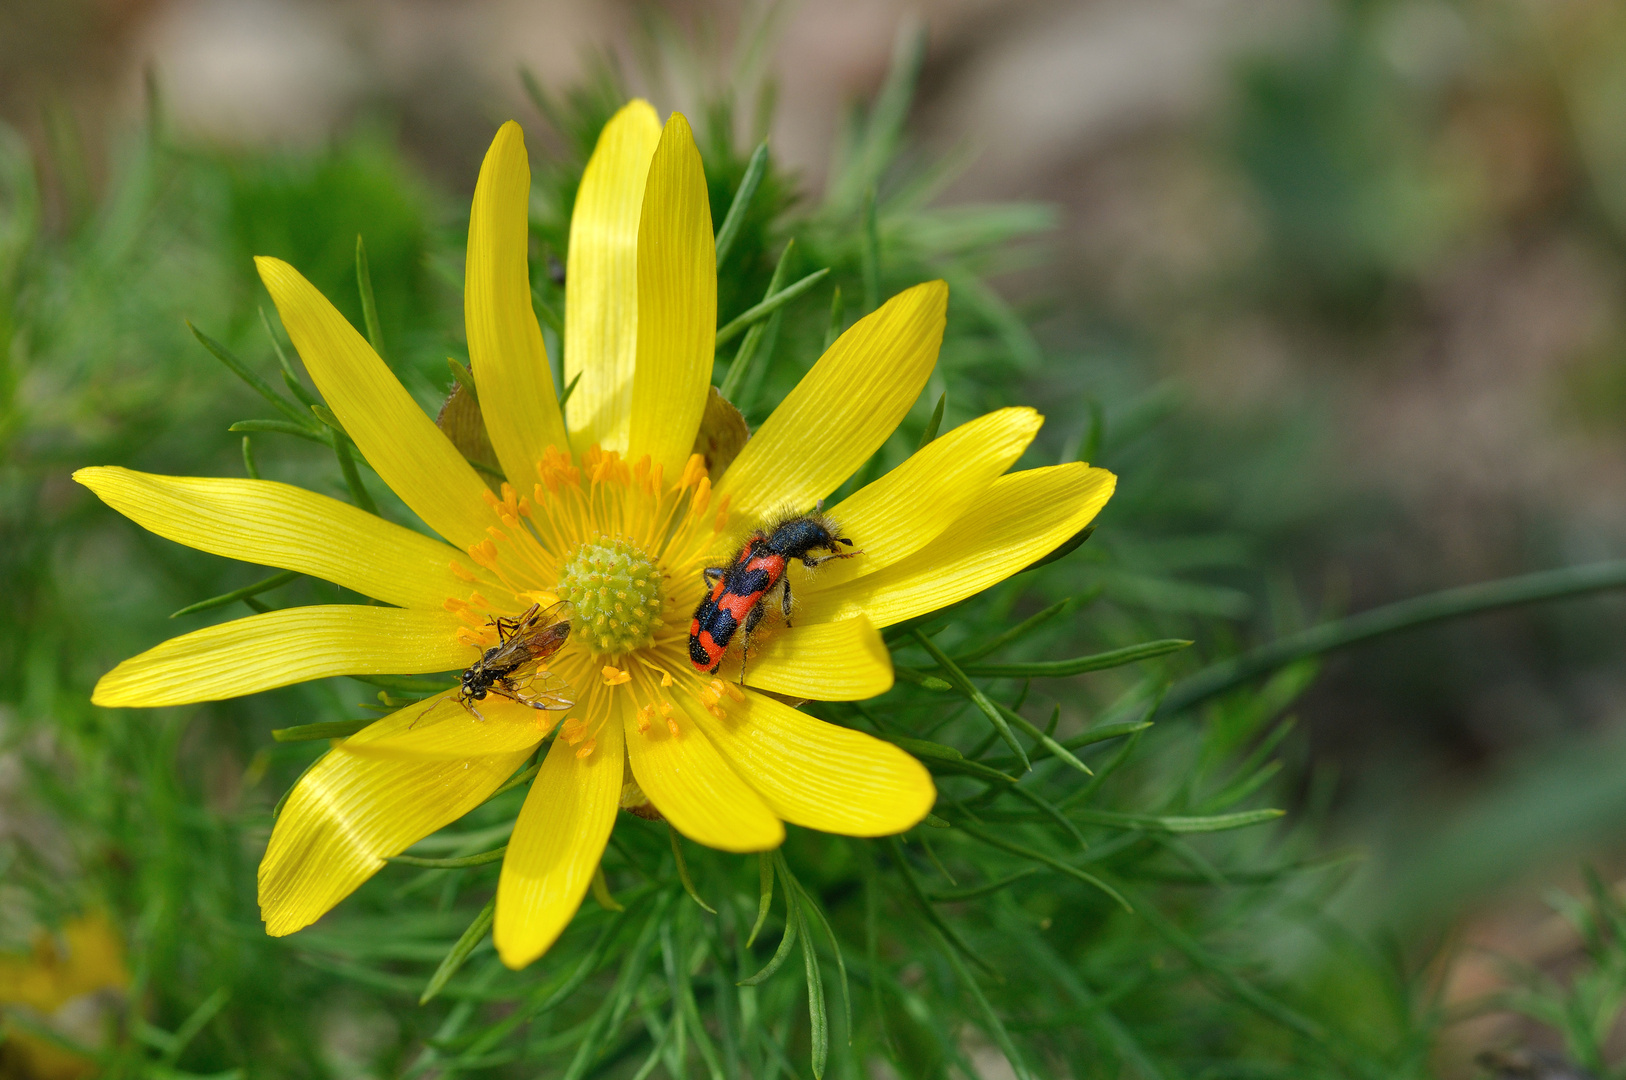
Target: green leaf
x,y
777,961
933,424
1055,864
996,1027
263,585
765,897
369,306
1028,625
1130,654
683,871
282,427
484,857
1392,619
769,304
460,951
1176,823
242,371
729,231
328,729
978,698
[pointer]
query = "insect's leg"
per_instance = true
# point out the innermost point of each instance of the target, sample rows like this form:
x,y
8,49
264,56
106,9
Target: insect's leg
x,y
812,561
712,574
784,600
751,621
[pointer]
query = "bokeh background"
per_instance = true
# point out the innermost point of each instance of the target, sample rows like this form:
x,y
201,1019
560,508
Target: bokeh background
x,y
1337,286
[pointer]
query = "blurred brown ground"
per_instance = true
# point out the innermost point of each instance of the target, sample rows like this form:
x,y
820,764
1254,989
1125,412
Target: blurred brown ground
x,y
1465,389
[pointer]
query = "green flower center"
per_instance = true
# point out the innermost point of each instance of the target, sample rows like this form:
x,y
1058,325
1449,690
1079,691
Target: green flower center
x,y
616,592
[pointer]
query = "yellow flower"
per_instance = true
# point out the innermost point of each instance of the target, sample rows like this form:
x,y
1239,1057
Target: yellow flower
x,y
607,505
71,986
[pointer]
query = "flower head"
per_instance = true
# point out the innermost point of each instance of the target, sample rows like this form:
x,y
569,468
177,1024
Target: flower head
x,y
608,506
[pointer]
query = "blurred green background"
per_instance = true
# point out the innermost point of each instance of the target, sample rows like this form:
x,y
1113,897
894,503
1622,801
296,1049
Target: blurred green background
x,y
1337,288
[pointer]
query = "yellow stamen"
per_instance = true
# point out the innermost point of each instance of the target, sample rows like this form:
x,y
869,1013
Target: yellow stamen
x,y
586,748
459,570
614,676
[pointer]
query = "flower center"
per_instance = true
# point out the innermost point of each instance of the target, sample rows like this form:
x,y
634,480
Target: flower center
x,y
616,591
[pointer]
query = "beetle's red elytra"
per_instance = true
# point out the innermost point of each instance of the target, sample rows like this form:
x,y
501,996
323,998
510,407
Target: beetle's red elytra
x,y
739,591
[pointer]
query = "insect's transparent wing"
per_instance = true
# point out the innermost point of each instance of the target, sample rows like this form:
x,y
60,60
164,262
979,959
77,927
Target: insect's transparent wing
x,y
538,688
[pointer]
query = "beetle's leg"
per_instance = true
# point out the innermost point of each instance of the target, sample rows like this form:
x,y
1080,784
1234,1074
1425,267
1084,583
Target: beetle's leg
x,y
812,561
784,600
712,574
751,621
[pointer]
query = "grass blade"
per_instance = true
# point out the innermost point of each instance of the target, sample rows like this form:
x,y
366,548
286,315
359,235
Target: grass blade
x,y
768,305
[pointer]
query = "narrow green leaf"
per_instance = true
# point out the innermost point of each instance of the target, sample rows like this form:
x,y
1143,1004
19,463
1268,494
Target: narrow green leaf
x,y
249,466
347,465
912,883
1050,811
242,371
871,254
683,871
1044,739
264,585
194,1023
1022,629
369,306
601,892
768,305
734,382
818,1019
1089,445
1176,823
1079,664
965,686
811,907
765,897
983,890
460,951
1055,864
327,729
933,424
570,388
282,427
921,679
1062,550
1393,618
729,231
481,859
996,1027
289,376
832,329
780,954
949,758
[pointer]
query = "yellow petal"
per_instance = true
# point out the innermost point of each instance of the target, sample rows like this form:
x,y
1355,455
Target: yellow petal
x,y
696,790
517,396
677,303
556,846
261,521
1020,518
845,660
601,279
283,647
397,438
905,510
351,811
443,727
843,409
820,775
